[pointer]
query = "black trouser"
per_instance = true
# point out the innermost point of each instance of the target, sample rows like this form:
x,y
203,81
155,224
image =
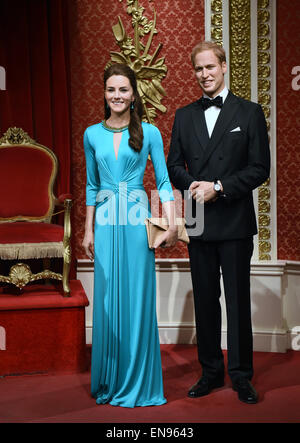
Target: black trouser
x,y
233,258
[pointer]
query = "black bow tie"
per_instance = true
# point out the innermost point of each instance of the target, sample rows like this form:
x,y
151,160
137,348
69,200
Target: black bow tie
x,y
207,102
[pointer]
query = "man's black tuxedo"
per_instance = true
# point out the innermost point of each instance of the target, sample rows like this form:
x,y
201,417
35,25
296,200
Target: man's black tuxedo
x,y
239,159
238,155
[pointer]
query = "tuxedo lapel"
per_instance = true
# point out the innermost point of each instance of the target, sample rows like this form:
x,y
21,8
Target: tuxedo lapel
x,y
227,113
200,126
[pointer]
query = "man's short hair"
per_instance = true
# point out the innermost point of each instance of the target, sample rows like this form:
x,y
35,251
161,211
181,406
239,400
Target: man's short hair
x,y
209,46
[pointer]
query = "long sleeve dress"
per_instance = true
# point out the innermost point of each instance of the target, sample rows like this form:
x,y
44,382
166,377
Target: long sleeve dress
x,y
126,363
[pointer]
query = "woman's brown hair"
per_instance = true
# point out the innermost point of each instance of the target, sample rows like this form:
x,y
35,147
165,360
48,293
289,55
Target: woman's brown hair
x,y
135,124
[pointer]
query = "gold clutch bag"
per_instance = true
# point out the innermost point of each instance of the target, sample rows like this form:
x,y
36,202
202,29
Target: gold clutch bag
x,y
155,227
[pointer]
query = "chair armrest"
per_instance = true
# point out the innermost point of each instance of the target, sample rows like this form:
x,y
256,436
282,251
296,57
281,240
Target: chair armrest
x,y
61,199
67,231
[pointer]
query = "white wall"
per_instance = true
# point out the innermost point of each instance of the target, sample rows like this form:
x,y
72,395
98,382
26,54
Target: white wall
x,y
275,303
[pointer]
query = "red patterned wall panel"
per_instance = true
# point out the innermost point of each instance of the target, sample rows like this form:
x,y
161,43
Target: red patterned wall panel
x,y
288,130
180,26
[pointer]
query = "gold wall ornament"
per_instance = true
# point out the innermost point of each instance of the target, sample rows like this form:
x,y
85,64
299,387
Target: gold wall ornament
x,y
263,15
216,5
264,233
264,220
240,48
136,54
264,249
264,193
262,4
263,57
264,99
217,22
263,29
264,206
264,44
267,111
264,84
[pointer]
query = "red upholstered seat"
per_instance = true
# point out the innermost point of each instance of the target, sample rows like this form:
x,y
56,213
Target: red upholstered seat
x,y
24,232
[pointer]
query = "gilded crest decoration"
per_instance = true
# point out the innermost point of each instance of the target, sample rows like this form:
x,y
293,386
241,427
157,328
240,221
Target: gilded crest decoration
x,y
136,53
15,136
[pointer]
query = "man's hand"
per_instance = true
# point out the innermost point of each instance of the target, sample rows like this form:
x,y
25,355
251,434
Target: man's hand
x,y
203,191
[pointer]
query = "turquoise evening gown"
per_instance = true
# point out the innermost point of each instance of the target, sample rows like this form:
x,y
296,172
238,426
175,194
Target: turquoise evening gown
x,y
126,363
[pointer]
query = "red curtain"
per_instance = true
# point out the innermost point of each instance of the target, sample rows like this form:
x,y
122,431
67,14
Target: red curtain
x,y
34,53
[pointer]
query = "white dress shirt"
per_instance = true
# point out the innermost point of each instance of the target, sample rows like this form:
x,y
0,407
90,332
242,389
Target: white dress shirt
x,y
212,113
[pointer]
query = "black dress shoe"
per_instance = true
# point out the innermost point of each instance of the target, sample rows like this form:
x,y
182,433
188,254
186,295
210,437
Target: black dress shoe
x,y
204,386
245,390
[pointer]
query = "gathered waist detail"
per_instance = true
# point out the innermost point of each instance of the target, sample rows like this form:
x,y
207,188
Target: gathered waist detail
x,y
122,204
132,192
120,187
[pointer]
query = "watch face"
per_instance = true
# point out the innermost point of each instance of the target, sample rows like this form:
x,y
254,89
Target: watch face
x,y
217,187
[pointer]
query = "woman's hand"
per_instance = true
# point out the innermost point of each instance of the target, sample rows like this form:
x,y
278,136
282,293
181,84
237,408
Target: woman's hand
x,y
88,244
88,240
167,238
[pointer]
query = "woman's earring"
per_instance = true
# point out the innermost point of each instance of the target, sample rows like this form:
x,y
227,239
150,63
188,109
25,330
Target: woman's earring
x,y
132,106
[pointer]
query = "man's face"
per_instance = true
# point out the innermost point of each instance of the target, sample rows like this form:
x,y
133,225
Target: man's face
x,y
210,73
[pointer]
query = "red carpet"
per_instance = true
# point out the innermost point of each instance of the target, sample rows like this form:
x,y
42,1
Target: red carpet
x,y
66,397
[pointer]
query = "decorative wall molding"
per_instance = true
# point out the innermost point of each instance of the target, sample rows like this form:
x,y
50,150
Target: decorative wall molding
x,y
274,294
240,47
216,21
264,98
247,30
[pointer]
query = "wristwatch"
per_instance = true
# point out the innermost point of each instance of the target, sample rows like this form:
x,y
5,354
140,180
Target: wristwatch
x,y
217,187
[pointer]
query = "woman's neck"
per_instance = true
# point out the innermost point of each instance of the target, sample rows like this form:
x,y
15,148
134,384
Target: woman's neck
x,y
118,121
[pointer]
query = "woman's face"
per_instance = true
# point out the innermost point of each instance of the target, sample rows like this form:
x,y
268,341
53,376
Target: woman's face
x,y
118,94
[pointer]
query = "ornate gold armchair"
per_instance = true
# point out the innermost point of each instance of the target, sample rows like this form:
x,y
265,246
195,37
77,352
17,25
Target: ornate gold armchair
x,y
27,174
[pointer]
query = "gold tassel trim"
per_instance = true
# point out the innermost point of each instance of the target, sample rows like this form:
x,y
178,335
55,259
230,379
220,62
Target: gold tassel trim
x,y
24,251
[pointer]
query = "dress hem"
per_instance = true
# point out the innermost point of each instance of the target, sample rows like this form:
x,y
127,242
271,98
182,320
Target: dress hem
x,y
113,403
